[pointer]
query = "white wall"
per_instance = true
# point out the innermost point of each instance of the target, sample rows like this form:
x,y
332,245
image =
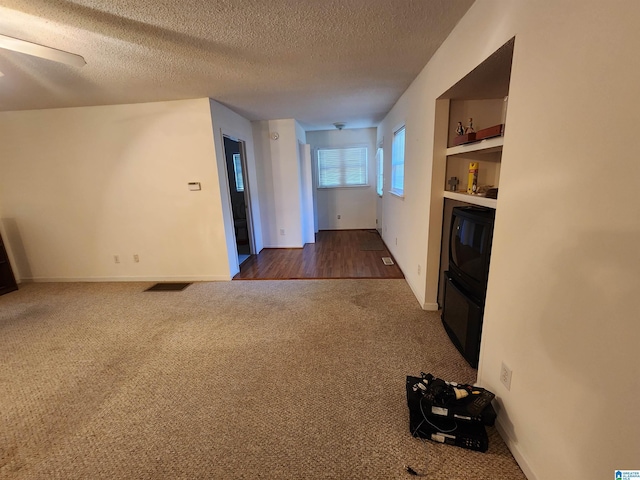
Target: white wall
x,y
307,215
229,123
357,205
279,177
405,219
80,185
561,306
379,202
307,194
575,251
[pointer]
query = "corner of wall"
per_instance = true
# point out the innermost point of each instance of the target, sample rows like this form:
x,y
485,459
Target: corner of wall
x,y
300,133
523,463
280,187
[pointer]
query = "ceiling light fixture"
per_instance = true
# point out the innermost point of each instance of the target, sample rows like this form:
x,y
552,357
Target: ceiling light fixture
x,y
48,53
339,125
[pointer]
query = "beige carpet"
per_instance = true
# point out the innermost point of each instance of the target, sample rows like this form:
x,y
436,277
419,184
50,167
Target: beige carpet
x,y
229,380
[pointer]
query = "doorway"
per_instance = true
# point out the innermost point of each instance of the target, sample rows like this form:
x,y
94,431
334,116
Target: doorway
x,y
7,280
239,195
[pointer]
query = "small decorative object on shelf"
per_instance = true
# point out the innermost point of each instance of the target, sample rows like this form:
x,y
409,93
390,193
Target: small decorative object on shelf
x,y
472,184
487,191
470,137
464,135
492,193
453,184
490,132
466,138
469,128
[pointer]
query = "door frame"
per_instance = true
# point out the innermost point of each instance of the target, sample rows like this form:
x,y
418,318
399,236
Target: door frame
x,y
247,192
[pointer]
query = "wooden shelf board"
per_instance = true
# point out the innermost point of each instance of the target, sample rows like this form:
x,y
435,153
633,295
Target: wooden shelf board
x,y
486,145
473,199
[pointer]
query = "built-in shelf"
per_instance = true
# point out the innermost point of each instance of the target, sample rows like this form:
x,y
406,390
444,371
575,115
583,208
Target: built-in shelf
x,y
482,95
474,199
487,145
488,153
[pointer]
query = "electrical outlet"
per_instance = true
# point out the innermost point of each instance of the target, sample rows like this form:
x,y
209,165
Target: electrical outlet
x,y
339,217
282,231
116,258
419,269
396,240
505,376
136,258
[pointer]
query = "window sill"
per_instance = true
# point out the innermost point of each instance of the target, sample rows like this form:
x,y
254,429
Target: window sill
x,y
397,194
343,186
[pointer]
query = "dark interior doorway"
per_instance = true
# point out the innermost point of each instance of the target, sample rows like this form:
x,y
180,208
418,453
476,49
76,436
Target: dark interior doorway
x,y
7,280
238,191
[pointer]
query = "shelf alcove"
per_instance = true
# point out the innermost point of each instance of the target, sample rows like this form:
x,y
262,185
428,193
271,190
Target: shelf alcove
x,y
482,95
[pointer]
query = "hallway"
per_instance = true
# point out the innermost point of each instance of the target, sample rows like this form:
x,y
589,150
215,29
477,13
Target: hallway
x,y
336,254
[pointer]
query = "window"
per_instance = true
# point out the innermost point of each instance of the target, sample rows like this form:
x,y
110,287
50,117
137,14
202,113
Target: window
x,y
380,166
237,169
397,163
342,167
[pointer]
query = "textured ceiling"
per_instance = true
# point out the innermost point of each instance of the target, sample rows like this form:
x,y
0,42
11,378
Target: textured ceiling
x,y
317,61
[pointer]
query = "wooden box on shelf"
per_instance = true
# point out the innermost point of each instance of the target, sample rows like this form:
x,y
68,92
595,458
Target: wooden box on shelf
x,y
490,132
466,138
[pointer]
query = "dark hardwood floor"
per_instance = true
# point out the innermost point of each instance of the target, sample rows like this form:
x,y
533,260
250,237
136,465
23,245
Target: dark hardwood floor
x,y
336,254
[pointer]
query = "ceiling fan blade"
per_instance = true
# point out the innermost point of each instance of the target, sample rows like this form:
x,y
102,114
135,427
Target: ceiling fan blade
x,y
22,46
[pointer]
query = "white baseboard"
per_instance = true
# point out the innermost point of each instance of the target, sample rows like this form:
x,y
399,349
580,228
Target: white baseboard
x,y
515,451
186,278
432,307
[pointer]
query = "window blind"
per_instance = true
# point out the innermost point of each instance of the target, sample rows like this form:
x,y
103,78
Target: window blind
x,y
342,167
